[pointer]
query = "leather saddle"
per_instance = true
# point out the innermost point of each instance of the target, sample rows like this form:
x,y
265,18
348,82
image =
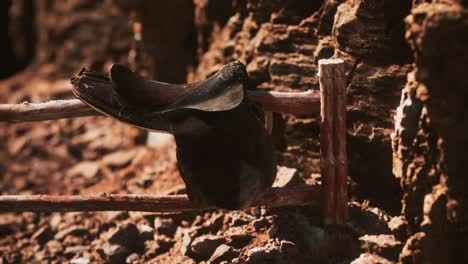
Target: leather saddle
x,y
225,156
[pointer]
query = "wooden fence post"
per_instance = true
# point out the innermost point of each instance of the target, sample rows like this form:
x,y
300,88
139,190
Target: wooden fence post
x,y
341,157
327,157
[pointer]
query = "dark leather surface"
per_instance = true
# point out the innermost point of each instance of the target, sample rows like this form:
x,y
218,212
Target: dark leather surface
x,y
161,97
225,158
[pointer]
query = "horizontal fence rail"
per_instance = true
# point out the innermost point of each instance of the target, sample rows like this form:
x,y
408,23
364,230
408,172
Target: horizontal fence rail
x,y
293,103
291,196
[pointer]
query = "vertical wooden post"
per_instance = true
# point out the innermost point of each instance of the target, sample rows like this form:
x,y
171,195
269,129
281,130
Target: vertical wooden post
x,y
327,157
339,142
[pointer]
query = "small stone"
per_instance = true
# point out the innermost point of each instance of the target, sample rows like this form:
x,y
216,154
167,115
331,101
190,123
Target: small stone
x,y
258,255
256,250
72,231
154,248
145,182
54,247
118,159
133,258
72,240
399,227
215,222
86,169
184,223
39,255
114,216
383,245
223,253
204,246
116,253
127,235
72,251
80,261
164,226
366,258
186,241
43,234
414,250
146,232
55,220
151,249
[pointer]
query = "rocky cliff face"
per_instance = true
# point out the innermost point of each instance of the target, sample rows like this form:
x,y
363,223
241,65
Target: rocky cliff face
x,y
370,35
430,141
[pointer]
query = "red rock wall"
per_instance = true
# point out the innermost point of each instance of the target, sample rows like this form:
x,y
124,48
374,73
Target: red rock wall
x,y
430,140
